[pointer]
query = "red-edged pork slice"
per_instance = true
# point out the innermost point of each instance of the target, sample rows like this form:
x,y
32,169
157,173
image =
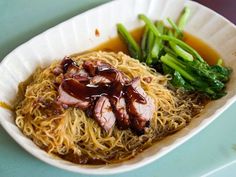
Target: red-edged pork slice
x,y
76,72
57,70
104,70
103,113
99,79
66,99
66,63
140,106
119,108
92,66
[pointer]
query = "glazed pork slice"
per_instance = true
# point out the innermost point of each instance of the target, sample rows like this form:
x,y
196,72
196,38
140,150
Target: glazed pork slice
x,y
70,69
93,66
106,94
66,63
103,71
122,117
62,68
103,113
77,93
118,103
67,100
77,73
99,80
140,106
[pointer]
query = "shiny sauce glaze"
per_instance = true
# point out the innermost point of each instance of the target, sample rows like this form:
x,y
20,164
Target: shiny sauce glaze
x,y
105,93
83,90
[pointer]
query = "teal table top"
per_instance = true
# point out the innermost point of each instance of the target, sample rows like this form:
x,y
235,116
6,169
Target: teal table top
x,y
212,152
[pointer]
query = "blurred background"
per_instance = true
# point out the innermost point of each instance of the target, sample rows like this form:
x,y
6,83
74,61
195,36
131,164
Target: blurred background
x,y
227,8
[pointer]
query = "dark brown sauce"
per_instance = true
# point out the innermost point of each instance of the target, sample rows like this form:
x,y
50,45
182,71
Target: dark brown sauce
x,y
116,44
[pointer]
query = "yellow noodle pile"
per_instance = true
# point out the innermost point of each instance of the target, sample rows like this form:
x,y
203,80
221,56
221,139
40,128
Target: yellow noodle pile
x,y
72,132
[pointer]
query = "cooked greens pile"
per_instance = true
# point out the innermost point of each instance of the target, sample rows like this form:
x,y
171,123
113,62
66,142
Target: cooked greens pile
x,y
163,49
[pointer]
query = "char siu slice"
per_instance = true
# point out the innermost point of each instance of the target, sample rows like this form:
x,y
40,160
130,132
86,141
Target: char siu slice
x,y
140,105
77,73
66,63
122,117
92,66
103,113
99,80
104,71
118,102
66,99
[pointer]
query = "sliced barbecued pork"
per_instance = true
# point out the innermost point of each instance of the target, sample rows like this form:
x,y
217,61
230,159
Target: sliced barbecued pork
x,y
81,91
57,70
99,80
117,100
62,68
71,70
67,100
104,70
92,66
113,75
140,106
106,94
103,113
104,73
77,73
66,63
119,108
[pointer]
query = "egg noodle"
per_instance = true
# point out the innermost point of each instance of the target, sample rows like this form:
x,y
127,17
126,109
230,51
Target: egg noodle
x,y
72,135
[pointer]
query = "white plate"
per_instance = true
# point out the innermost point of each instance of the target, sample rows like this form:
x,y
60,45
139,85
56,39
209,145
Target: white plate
x,y
78,34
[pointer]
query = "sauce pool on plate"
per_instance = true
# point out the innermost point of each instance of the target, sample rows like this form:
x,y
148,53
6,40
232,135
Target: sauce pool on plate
x,y
208,54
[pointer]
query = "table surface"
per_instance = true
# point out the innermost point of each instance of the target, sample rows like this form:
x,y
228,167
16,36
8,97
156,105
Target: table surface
x,y
211,153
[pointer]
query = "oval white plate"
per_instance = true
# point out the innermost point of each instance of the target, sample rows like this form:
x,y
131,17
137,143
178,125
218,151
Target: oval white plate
x,y
78,34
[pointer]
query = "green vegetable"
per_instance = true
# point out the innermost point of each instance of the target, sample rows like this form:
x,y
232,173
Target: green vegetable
x,y
144,43
163,49
221,73
183,18
178,32
149,24
181,52
150,43
179,82
174,64
158,43
182,44
133,47
196,74
170,51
